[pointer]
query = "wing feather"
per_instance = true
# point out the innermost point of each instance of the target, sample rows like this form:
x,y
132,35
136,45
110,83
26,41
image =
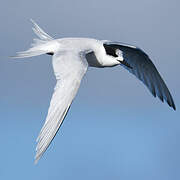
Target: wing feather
x,y
69,69
144,69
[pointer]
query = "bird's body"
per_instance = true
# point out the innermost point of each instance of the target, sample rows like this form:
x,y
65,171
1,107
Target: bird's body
x,y
71,58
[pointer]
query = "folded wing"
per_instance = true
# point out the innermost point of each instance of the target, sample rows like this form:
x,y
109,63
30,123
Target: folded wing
x,y
69,69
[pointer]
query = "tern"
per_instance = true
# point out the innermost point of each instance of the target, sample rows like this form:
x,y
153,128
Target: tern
x,y
71,58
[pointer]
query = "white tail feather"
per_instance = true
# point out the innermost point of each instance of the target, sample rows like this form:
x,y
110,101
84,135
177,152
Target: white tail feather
x,y
39,46
40,33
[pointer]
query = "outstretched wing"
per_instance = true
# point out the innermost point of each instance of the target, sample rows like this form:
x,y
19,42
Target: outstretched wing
x,y
69,69
138,63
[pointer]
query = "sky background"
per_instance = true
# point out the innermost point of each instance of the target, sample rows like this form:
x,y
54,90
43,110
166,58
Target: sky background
x,y
115,129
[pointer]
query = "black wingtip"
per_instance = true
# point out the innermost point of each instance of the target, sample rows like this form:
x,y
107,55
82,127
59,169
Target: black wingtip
x,y
174,107
171,104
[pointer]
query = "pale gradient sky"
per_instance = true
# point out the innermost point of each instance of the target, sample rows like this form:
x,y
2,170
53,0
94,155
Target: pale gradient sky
x,y
115,129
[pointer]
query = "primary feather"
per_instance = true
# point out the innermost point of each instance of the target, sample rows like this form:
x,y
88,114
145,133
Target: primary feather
x,y
69,69
144,69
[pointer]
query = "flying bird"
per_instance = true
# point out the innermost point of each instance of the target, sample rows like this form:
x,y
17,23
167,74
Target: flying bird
x,y
71,58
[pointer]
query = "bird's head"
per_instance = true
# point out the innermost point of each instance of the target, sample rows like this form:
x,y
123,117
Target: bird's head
x,y
113,52
116,53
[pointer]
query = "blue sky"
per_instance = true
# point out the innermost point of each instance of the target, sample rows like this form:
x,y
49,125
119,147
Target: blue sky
x,y
115,129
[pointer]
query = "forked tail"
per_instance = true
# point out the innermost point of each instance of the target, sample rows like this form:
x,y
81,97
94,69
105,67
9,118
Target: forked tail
x,y
43,45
